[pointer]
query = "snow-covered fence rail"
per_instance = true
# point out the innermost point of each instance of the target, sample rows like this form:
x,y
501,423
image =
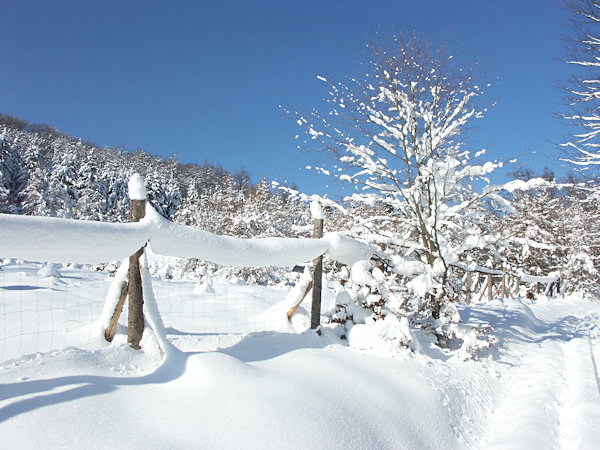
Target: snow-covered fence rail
x,y
481,283
70,241
87,242
550,285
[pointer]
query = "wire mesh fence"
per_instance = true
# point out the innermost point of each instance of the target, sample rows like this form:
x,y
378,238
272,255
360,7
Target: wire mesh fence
x,y
46,307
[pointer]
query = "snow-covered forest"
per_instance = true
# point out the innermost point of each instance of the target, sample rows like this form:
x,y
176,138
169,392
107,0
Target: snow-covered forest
x,y
47,173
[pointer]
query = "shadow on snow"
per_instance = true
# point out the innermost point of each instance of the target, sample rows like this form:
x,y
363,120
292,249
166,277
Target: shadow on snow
x,y
256,347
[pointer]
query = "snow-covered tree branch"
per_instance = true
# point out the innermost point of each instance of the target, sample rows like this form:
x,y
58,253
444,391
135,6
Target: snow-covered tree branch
x,y
583,89
397,136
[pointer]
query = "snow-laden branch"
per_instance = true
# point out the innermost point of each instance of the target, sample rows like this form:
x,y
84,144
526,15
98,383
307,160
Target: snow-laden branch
x,y
586,158
584,88
522,185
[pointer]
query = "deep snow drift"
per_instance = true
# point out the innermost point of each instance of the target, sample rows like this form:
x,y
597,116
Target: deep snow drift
x,y
285,388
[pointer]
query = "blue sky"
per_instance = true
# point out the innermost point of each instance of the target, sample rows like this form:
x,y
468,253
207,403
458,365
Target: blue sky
x,y
204,80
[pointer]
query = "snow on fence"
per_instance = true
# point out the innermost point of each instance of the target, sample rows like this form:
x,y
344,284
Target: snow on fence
x,y
482,283
29,290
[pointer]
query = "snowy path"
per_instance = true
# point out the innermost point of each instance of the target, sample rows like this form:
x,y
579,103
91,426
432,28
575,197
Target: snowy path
x,y
549,392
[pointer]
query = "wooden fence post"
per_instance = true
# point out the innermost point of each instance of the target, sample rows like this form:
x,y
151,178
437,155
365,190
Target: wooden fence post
x,y
468,288
315,312
516,286
137,210
490,287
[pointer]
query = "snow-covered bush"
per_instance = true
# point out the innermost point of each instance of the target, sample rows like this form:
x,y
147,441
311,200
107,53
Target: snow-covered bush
x,y
376,313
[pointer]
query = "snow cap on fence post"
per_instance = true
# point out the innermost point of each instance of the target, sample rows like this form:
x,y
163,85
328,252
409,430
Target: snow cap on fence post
x,y
137,187
315,208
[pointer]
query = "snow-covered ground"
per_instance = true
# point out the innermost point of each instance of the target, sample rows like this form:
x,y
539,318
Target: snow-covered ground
x,y
243,378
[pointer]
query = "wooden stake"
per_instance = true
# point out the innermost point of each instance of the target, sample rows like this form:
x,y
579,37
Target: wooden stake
x,y
315,312
482,291
293,309
490,286
137,210
109,333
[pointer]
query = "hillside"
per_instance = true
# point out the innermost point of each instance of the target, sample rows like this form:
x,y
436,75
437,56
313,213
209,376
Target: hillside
x,y
43,172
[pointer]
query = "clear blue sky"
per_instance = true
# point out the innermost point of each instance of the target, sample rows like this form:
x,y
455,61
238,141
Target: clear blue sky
x,y
204,79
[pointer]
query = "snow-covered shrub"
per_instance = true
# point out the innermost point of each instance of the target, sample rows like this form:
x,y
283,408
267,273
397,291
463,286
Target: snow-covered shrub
x,y
364,294
388,336
376,312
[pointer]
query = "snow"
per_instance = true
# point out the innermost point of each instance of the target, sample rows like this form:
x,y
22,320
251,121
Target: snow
x,y
49,270
137,187
421,284
551,277
345,249
65,241
521,185
537,387
316,210
171,239
390,336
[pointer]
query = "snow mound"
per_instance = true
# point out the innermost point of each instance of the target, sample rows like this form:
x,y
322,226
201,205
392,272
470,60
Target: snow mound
x,y
388,337
49,270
